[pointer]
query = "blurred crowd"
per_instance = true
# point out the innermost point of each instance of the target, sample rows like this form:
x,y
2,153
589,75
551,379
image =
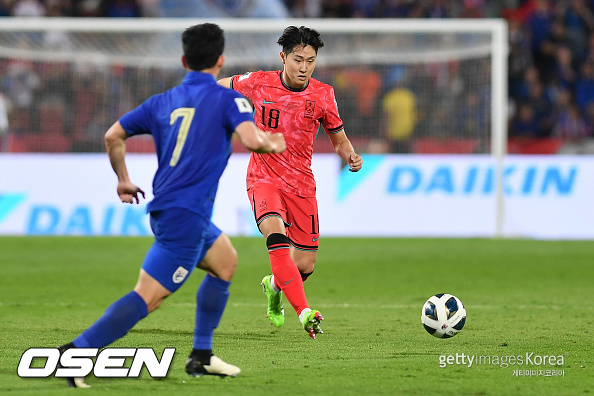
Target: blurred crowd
x,y
551,71
551,66
257,8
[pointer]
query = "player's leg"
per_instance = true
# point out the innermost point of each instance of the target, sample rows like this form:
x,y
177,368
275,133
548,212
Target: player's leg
x,y
119,318
150,290
219,260
167,264
283,271
305,260
269,211
304,232
219,257
302,214
310,318
286,275
274,310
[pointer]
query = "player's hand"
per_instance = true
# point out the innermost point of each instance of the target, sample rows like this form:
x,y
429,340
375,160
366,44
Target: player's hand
x,y
355,162
128,192
277,141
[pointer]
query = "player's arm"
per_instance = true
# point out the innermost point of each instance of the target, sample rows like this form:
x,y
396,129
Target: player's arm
x,y
225,82
344,148
256,140
115,145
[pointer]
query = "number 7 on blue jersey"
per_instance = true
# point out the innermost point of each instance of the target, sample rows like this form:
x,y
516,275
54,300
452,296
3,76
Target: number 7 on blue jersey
x,y
187,114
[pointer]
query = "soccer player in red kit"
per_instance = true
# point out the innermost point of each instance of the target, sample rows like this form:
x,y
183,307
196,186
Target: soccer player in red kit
x,y
281,187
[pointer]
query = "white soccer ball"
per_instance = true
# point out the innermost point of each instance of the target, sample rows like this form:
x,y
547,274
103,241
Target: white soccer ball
x,y
443,315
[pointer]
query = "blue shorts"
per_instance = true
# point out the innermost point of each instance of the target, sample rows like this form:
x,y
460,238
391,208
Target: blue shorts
x,y
182,238
211,236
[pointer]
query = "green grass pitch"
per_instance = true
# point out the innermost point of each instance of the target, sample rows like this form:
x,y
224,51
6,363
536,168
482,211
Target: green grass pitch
x,y
522,297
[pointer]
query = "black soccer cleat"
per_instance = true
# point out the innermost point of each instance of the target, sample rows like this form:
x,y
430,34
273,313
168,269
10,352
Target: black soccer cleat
x,y
215,366
71,381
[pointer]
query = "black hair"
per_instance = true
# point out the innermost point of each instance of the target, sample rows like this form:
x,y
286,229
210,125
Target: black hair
x,y
203,45
294,36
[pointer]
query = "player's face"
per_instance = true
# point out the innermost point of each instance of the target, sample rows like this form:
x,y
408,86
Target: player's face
x,y
299,65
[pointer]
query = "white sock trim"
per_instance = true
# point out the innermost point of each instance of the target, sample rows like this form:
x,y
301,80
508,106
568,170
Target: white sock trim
x,y
273,286
303,313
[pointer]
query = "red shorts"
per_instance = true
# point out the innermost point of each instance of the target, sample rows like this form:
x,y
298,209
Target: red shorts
x,y
299,214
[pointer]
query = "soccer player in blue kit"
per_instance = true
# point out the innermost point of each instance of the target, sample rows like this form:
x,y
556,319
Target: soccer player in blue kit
x,y
192,126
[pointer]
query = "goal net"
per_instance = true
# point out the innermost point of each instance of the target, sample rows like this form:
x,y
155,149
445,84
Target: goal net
x,y
405,86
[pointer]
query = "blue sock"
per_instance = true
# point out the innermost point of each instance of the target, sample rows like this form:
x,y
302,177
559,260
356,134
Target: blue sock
x,y
115,323
211,300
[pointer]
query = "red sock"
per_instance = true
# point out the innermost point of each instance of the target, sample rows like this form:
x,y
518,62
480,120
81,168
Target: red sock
x,y
286,274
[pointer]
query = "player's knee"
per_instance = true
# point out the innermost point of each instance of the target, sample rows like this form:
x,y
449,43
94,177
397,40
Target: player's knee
x,y
225,264
221,259
228,267
153,302
151,291
154,305
305,265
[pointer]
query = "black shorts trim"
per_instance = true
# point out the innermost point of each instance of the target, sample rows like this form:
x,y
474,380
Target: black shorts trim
x,y
308,248
270,214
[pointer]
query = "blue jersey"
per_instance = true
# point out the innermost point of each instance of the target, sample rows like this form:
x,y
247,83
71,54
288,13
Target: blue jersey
x,y
192,126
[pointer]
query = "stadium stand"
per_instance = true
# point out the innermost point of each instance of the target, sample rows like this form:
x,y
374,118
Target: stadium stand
x,y
551,74
549,145
447,145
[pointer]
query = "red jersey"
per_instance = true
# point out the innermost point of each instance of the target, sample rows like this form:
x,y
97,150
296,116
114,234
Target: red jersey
x,y
297,114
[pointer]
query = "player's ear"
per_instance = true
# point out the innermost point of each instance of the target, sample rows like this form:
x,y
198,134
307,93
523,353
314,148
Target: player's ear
x,y
184,62
283,57
221,61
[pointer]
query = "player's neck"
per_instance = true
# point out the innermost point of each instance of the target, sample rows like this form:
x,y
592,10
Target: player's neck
x,y
292,84
214,71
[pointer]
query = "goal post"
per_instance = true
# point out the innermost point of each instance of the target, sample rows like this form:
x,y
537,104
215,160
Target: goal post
x,y
402,85
443,62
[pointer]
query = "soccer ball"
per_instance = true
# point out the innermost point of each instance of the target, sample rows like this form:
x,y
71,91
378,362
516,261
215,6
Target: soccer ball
x,y
443,315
